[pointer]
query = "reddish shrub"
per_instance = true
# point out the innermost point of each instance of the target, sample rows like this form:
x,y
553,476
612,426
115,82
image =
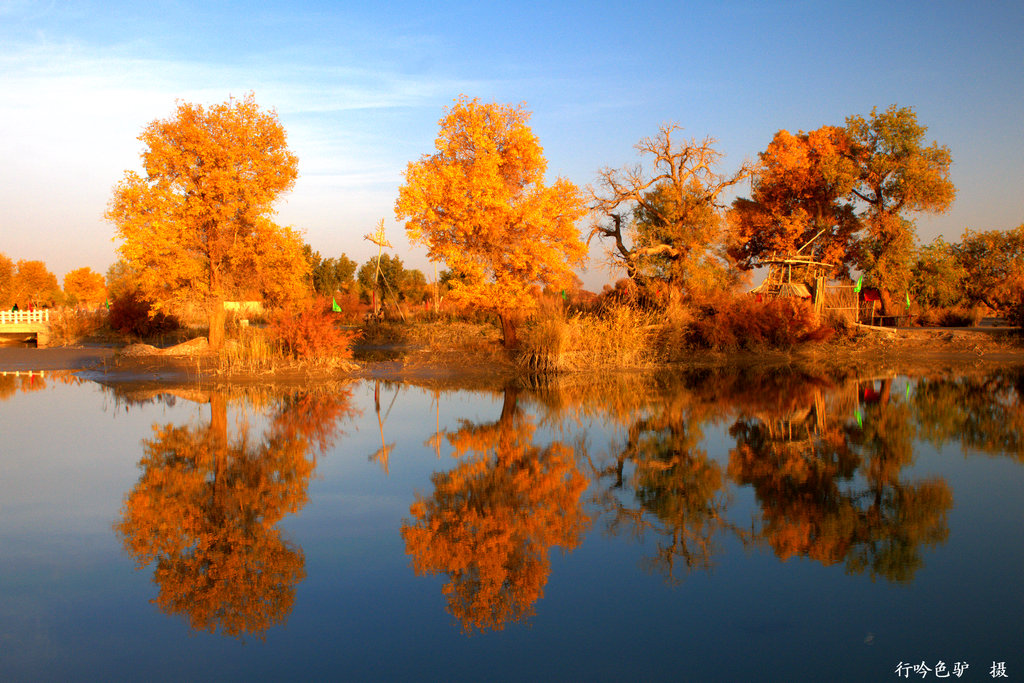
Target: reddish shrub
x,y
130,314
312,332
744,322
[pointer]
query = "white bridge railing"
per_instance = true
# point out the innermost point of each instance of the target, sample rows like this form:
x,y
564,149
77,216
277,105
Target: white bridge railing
x,y
24,317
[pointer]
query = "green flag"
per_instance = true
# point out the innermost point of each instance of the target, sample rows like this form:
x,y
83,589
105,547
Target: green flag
x,y
908,301
860,281
860,420
108,304
334,306
563,295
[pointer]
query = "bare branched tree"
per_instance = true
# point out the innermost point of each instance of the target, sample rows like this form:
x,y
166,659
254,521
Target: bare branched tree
x,y
670,217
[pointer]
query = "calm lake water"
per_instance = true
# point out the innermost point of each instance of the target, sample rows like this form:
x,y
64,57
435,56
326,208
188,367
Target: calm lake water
x,y
775,527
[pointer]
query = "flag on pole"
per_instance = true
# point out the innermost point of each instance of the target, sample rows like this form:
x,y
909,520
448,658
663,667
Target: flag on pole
x,y
908,301
860,281
334,305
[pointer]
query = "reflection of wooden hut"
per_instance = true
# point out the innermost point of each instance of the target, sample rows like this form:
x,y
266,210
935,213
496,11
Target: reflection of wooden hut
x,y
795,277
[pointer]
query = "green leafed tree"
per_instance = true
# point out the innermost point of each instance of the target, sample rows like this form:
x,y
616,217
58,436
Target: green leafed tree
x,y
898,174
330,275
936,275
993,264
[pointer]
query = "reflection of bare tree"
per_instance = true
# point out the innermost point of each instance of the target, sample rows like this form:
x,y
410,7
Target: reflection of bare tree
x,y
205,507
677,491
833,492
492,520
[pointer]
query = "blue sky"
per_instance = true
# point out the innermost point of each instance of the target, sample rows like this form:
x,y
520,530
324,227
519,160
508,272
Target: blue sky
x,y
360,88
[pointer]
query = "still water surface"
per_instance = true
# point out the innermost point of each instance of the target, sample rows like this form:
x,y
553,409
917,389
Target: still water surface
x,y
777,527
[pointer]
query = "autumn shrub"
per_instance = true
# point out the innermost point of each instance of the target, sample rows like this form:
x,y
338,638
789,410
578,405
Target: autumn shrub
x,y
743,322
312,333
130,314
955,316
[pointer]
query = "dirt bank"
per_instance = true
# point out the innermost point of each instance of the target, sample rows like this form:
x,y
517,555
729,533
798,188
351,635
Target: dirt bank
x,y
902,351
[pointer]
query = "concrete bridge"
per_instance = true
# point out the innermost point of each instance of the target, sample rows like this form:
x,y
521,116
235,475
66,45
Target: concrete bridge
x,y
26,326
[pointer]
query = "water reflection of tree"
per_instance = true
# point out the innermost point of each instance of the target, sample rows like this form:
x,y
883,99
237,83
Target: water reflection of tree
x,y
662,483
982,413
492,520
13,382
205,507
832,491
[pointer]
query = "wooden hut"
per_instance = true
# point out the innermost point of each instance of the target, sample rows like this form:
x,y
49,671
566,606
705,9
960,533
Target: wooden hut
x,y
795,277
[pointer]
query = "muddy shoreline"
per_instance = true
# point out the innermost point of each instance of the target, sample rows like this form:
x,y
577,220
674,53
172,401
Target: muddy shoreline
x,y
903,351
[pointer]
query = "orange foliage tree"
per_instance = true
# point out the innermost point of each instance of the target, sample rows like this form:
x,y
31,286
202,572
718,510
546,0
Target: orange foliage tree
x,y
492,520
85,286
480,205
800,189
33,283
197,227
6,281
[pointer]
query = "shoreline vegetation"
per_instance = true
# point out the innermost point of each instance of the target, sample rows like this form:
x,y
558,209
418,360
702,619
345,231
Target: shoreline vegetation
x,y
205,257
554,350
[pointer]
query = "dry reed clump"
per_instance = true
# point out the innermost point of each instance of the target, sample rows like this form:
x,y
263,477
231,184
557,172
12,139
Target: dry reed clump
x,y
68,326
953,316
253,352
618,337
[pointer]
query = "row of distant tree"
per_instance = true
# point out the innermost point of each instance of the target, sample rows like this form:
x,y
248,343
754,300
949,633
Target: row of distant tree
x,y
386,275
28,283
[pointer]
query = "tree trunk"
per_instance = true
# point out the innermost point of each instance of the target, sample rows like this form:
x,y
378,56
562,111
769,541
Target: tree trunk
x,y
887,304
217,319
508,331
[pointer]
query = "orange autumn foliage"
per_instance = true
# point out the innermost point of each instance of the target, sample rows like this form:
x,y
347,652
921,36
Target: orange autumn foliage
x,y
86,286
205,510
492,520
800,188
480,204
197,228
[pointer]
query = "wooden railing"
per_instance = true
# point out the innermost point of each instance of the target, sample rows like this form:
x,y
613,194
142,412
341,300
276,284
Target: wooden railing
x,y
24,317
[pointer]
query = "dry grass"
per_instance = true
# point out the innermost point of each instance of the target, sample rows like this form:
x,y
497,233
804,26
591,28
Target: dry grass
x,y
253,352
620,337
69,326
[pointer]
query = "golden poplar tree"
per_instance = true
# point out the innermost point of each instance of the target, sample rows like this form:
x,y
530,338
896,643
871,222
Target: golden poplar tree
x,y
196,227
480,204
86,286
